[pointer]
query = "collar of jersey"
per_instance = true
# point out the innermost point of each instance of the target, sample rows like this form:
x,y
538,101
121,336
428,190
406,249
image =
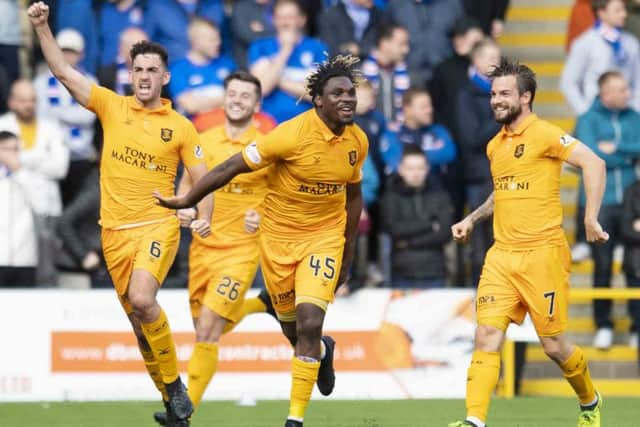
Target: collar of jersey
x,y
524,125
327,134
163,109
248,136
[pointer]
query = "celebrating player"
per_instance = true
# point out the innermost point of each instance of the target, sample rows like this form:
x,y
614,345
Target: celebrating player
x,y
307,238
527,269
144,140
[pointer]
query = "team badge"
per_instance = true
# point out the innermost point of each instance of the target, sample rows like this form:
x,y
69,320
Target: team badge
x,y
166,134
197,151
353,157
566,139
519,151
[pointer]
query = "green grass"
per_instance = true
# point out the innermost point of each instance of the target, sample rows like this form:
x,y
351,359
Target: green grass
x,y
521,412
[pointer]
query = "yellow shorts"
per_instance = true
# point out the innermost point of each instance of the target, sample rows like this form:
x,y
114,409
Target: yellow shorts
x,y
516,282
219,277
150,247
301,271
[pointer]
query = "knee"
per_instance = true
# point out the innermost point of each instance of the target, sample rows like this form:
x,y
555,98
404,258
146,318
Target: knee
x,y
210,329
488,338
554,350
309,327
141,302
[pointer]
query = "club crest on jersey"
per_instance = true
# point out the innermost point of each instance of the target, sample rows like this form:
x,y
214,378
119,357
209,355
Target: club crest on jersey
x,y
519,151
166,134
353,157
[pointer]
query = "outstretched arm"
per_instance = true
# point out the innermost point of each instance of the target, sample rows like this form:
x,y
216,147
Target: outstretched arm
x,y
354,209
78,85
462,230
214,179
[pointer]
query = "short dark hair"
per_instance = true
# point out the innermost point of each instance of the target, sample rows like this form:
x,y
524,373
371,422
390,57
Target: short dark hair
x,y
463,25
144,47
244,76
525,77
294,2
5,135
597,5
337,66
386,32
413,150
409,95
607,75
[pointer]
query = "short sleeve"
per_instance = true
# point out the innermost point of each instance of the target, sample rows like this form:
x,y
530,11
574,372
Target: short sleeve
x,y
101,99
267,149
191,151
256,52
362,156
559,144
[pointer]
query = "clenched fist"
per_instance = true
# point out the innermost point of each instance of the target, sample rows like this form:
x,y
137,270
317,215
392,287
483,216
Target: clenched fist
x,y
38,14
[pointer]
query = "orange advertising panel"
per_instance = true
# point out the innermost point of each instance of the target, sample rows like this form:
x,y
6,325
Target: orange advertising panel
x,y
239,352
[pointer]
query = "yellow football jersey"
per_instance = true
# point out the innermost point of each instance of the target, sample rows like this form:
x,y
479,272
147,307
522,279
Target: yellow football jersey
x,y
311,169
141,152
526,166
244,192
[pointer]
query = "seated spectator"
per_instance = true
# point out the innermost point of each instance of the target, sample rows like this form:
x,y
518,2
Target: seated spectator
x,y
166,22
372,123
419,130
44,155
18,251
630,232
115,76
250,20
196,83
350,26
81,16
418,217
387,71
114,18
602,48
429,23
283,62
489,13
77,123
610,128
80,233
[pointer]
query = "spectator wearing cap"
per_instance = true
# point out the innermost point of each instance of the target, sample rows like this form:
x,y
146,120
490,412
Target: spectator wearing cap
x,y
283,62
114,18
350,26
196,83
77,123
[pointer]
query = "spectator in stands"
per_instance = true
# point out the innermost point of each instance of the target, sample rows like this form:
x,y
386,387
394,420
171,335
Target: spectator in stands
x,y
489,13
430,24
632,23
196,83
77,123
114,17
611,129
387,71
44,155
79,232
604,47
282,62
115,76
10,39
18,251
350,26
418,217
166,22
581,19
80,15
419,130
250,21
476,126
630,233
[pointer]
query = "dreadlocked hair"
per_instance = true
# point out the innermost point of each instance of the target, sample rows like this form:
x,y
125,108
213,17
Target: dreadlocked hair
x,y
337,66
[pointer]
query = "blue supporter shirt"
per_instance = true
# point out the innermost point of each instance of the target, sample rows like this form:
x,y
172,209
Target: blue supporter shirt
x,y
112,23
309,52
206,79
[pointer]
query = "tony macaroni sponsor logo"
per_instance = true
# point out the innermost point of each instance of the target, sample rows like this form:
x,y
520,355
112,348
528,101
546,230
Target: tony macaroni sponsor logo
x,y
509,183
139,159
321,188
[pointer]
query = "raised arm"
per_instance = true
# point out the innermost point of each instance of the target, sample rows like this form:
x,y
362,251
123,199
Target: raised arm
x,y
463,229
78,85
354,209
214,179
594,176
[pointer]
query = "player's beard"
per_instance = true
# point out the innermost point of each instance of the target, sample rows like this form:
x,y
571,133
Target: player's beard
x,y
512,114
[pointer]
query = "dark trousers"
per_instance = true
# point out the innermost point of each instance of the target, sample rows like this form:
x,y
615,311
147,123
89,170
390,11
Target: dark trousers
x,y
17,277
71,184
482,237
609,218
634,304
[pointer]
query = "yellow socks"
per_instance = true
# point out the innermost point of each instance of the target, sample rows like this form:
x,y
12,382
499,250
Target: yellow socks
x,y
576,371
159,337
202,367
249,306
482,379
153,368
303,377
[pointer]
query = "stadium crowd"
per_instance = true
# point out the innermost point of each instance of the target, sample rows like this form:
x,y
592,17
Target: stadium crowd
x,y
424,107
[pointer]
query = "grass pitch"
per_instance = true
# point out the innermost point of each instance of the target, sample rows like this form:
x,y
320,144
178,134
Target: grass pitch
x,y
521,412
